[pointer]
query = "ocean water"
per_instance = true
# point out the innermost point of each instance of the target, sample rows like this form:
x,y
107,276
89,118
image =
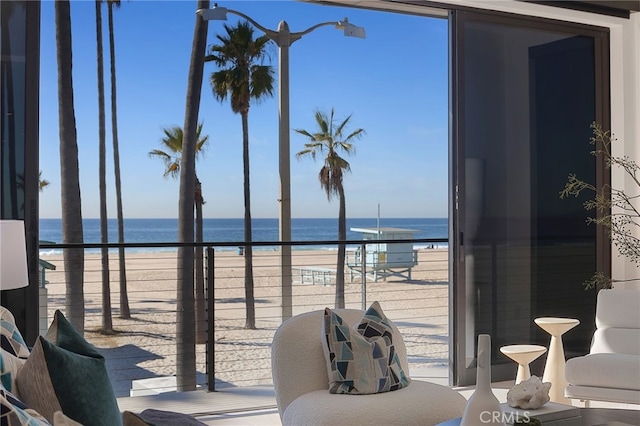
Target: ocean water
x,y
232,230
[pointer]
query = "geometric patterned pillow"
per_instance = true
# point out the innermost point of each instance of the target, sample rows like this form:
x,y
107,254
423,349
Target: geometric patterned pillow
x,y
15,413
362,360
10,338
10,365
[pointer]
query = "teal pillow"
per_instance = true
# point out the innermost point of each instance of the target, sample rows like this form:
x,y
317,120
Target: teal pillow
x,y
63,334
68,374
362,359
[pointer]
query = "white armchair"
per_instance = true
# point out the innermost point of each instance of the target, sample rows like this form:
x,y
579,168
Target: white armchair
x,y
301,384
611,370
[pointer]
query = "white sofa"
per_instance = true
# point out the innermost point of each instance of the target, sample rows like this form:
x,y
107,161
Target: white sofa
x,y
301,384
611,370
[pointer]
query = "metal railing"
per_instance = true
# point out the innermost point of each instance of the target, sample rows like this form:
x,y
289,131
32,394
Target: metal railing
x,y
141,351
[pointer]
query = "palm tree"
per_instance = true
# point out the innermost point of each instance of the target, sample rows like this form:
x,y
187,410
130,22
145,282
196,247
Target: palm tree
x,y
172,144
185,317
107,322
242,78
70,181
124,297
42,183
172,158
331,139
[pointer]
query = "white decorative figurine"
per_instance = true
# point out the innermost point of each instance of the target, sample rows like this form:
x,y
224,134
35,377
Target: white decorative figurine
x,y
529,394
483,407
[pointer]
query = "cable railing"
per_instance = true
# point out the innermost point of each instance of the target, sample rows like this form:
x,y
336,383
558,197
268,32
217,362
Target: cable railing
x,y
408,277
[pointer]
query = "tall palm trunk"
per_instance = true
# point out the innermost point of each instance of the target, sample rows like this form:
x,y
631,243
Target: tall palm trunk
x,y
124,296
201,314
70,181
342,236
248,250
107,323
185,317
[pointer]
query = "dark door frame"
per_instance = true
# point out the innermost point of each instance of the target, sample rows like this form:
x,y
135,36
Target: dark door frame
x,y
459,374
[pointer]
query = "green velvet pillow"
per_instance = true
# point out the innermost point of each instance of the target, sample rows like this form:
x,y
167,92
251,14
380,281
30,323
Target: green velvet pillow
x,y
63,334
68,374
362,359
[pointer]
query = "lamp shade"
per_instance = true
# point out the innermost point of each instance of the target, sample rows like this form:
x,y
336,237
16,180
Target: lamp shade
x,y
13,255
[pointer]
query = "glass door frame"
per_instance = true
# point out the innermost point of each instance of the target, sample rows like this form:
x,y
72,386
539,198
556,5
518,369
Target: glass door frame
x,y
459,374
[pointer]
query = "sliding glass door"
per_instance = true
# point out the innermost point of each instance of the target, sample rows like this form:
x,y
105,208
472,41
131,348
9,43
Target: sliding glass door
x,y
524,93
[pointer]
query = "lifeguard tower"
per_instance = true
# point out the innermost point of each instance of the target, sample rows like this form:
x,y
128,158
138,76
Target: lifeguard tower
x,y
384,259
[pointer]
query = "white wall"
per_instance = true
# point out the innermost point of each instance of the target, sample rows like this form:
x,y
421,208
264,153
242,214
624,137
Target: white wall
x,y
625,119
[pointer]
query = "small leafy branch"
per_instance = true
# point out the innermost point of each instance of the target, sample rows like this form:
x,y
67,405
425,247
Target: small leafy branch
x,y
614,209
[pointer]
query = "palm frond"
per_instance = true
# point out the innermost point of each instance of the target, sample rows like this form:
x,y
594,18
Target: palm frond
x,y
159,153
356,134
201,141
42,184
261,81
173,169
219,83
329,140
341,126
241,76
322,121
304,133
172,140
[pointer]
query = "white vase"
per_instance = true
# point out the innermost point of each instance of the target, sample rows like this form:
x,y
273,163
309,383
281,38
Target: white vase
x,y
483,408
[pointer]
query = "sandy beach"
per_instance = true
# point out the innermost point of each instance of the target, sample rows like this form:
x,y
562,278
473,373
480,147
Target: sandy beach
x,y
144,346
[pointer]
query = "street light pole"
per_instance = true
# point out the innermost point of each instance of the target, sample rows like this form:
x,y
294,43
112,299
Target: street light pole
x,y
284,166
283,37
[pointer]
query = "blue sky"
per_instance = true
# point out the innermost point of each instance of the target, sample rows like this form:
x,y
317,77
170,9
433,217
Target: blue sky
x,y
394,83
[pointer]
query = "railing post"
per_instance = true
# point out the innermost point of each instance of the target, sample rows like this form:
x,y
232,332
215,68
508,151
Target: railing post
x,y
211,354
363,274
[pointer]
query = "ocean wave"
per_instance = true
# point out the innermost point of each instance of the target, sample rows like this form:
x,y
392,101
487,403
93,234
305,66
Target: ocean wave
x,y
50,252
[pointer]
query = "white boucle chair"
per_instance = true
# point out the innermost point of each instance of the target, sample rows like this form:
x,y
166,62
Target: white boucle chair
x,y
611,370
301,384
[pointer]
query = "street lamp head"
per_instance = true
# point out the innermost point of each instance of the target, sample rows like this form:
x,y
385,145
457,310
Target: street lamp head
x,y
215,14
351,30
